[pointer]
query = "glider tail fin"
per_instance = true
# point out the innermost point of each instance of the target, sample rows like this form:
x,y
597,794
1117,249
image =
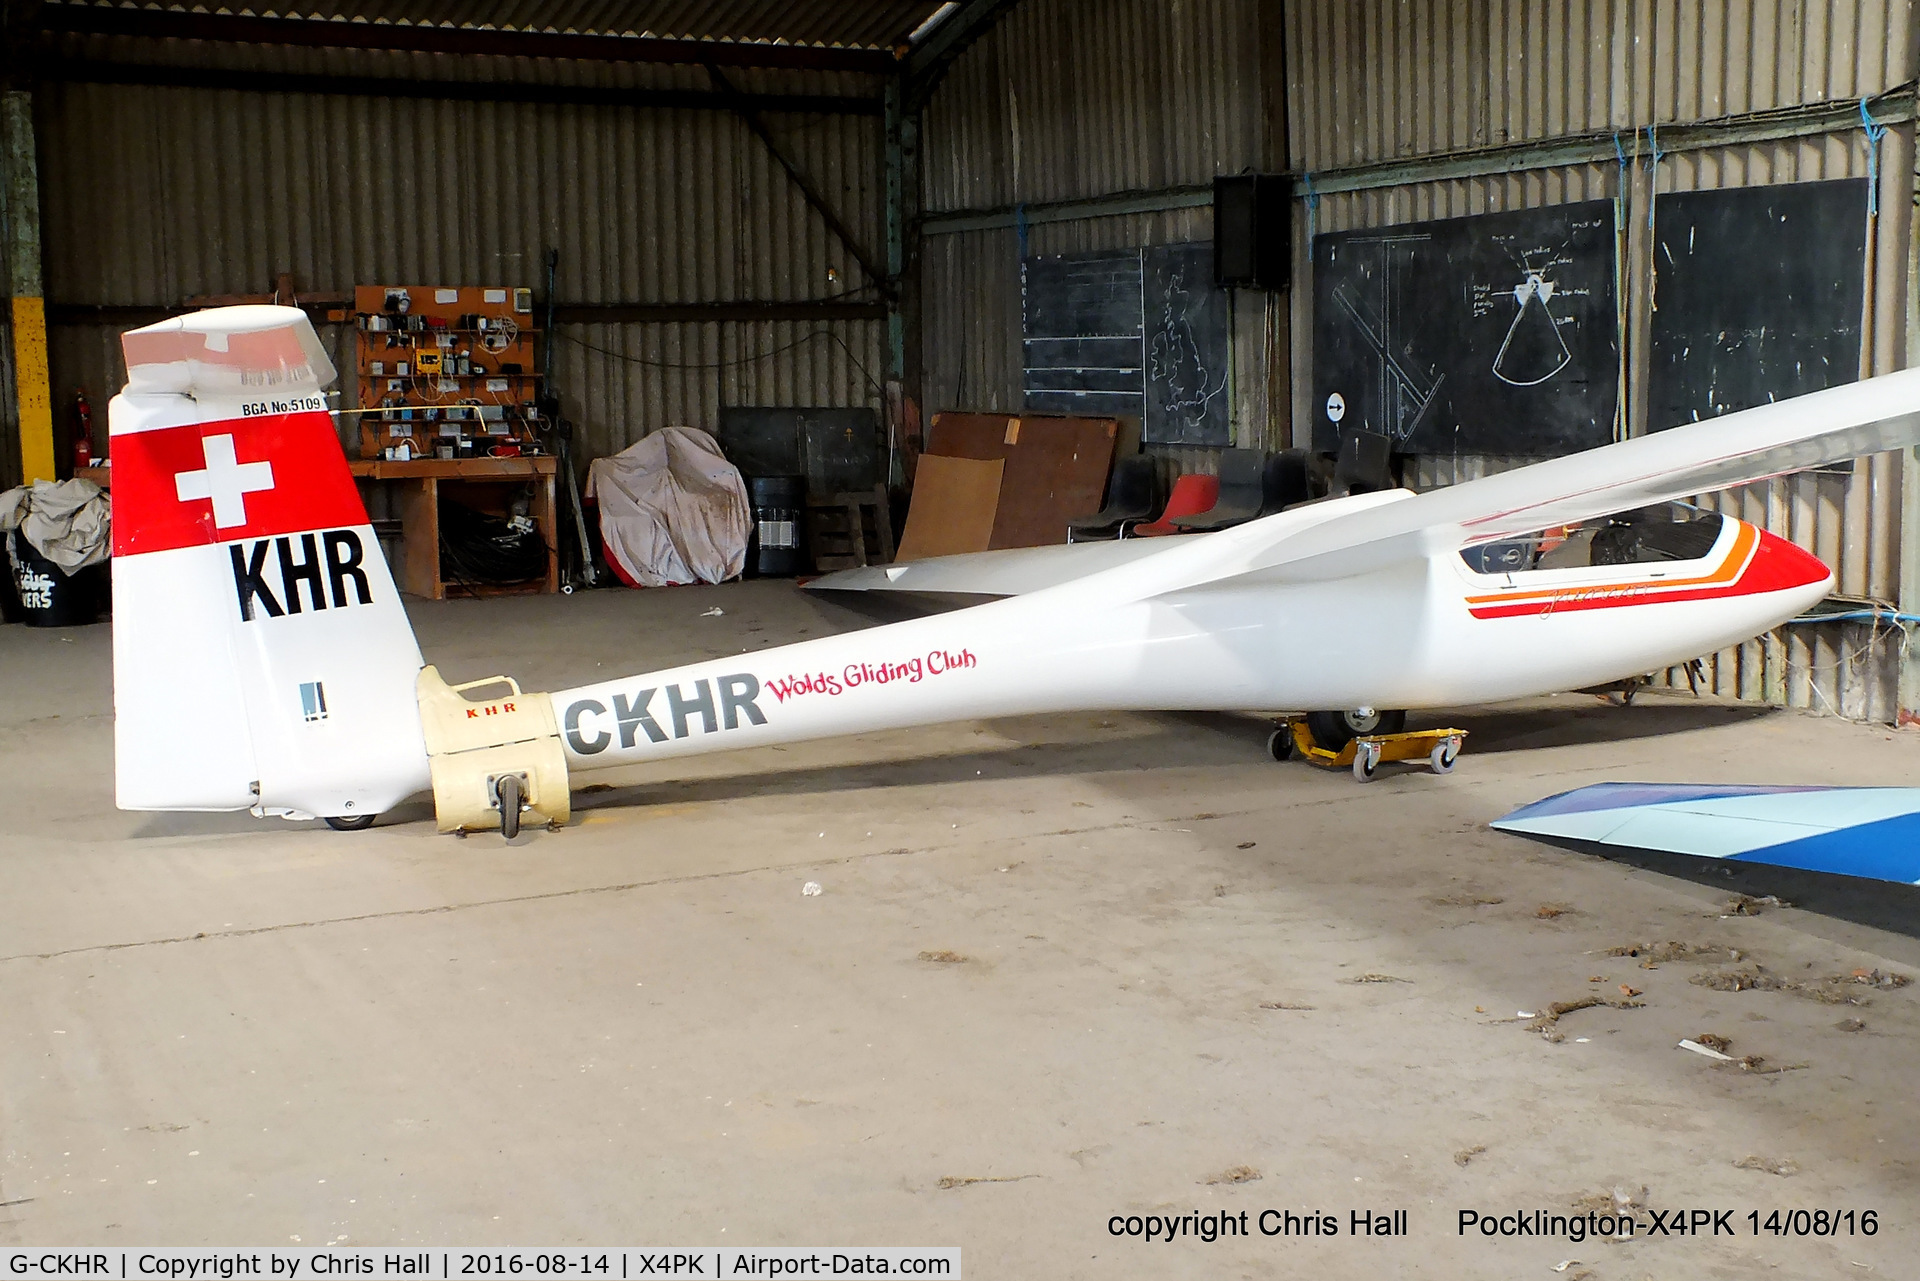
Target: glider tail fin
x,y
262,658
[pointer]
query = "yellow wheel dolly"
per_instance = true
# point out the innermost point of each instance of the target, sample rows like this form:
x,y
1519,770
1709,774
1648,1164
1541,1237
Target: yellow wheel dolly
x,y
1440,748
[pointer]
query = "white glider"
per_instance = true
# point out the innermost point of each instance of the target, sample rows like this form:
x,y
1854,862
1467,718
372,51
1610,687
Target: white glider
x,y
263,660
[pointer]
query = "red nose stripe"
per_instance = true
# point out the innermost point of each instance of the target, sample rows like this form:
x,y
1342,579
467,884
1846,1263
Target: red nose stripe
x,y
1780,565
1755,563
304,485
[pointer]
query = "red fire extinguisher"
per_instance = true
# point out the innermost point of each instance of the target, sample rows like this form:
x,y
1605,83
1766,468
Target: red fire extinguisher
x,y
83,431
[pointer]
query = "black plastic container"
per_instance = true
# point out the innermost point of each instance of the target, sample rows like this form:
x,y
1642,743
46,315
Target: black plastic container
x,y
49,597
779,505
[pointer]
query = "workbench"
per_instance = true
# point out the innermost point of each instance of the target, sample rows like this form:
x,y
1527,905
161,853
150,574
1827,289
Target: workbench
x,y
487,483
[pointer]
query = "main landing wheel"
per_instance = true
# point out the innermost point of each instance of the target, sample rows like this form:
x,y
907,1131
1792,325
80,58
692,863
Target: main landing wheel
x,y
351,822
1332,731
508,789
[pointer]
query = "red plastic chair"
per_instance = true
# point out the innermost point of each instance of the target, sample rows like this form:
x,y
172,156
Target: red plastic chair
x,y
1191,495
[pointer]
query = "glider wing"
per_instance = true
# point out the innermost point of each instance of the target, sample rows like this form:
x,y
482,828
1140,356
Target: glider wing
x,y
1342,537
1870,832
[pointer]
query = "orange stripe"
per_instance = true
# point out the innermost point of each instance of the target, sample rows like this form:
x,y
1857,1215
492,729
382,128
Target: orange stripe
x,y
1738,555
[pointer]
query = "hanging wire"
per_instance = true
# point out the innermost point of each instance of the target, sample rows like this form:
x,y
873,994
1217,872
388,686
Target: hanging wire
x,y
801,341
1653,171
1856,616
1621,236
1875,132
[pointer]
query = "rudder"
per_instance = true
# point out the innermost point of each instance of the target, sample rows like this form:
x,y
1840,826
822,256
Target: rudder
x,y
262,658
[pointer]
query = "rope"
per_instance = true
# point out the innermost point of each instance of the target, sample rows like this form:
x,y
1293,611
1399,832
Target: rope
x,y
1020,228
1313,211
1875,131
1619,153
1653,171
1857,615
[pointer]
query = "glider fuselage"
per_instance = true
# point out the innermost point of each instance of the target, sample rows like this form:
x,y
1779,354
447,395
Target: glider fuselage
x,y
1425,633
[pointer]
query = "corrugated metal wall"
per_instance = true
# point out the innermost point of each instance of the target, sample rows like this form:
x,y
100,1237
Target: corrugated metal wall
x,y
1071,98
1067,99
1376,80
154,194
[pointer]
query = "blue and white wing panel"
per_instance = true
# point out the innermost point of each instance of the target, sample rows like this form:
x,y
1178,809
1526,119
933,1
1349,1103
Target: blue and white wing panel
x,y
1870,832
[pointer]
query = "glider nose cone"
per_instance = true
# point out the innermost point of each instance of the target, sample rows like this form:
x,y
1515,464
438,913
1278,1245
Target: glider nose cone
x,y
1781,566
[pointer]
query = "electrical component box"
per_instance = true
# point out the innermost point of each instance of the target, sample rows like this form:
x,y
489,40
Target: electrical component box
x,y
433,353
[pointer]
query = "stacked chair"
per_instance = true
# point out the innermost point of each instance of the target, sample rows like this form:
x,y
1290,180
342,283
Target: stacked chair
x,y
1241,495
1191,495
1252,483
1133,495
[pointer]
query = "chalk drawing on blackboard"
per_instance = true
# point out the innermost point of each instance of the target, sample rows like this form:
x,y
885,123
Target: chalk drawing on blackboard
x,y
1136,332
1176,361
1533,350
1431,300
1408,386
1082,342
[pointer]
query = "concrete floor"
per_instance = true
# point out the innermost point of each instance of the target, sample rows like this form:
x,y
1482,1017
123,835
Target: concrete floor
x,y
234,1031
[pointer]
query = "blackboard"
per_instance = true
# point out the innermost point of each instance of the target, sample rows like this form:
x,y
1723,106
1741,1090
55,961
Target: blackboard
x,y
837,450
1492,334
1082,335
1186,325
1758,294
1138,333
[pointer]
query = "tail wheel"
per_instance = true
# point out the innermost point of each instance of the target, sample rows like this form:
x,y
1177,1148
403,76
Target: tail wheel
x,y
508,790
1332,731
351,822
1280,743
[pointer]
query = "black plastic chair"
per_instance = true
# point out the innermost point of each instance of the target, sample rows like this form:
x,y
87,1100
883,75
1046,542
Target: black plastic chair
x,y
1242,493
1364,464
1285,482
1133,496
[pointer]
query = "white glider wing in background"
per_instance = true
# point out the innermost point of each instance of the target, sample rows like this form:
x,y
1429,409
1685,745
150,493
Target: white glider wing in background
x,y
247,583
1771,440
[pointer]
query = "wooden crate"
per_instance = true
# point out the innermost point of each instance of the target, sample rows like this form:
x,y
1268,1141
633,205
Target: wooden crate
x,y
851,531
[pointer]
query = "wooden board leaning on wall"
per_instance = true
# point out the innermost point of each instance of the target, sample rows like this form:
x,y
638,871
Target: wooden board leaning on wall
x,y
1056,468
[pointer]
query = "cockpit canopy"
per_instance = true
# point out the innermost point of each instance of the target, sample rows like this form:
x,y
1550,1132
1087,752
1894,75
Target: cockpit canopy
x,y
1670,532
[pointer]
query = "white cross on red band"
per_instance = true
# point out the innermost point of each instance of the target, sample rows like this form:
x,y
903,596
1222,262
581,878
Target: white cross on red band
x,y
203,483
225,480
